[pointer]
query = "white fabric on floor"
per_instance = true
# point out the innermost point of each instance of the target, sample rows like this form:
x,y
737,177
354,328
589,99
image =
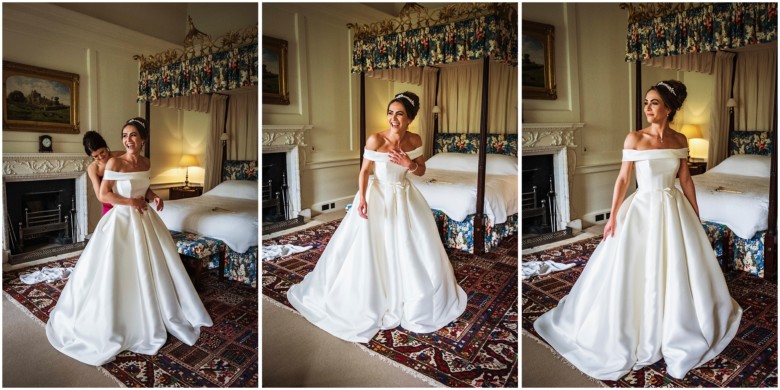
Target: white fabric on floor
x,y
271,252
538,268
46,274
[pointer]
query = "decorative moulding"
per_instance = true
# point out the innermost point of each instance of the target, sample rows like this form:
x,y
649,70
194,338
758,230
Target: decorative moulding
x,y
549,134
44,165
284,136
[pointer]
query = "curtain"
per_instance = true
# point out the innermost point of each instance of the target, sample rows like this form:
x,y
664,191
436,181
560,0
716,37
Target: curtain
x,y
691,62
754,89
243,125
460,90
412,75
199,103
425,115
213,163
709,27
719,128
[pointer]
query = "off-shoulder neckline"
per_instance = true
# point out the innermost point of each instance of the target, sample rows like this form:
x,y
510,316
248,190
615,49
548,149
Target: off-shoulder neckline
x,y
369,150
648,150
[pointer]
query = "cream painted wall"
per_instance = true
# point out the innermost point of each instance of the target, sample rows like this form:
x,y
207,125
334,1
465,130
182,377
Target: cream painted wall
x,y
324,93
595,86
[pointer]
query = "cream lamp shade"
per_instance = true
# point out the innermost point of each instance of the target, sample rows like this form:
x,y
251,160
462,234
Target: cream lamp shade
x,y
436,109
699,148
223,137
691,131
731,103
188,160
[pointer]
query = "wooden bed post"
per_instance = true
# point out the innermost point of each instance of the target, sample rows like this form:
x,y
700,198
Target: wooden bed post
x,y
148,148
436,114
479,226
639,99
362,115
770,241
224,143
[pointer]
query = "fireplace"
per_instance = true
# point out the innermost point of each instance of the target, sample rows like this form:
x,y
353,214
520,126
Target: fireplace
x,y
548,162
281,187
47,194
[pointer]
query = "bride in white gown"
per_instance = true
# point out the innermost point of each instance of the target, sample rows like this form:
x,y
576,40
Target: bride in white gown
x,y
653,288
385,265
129,287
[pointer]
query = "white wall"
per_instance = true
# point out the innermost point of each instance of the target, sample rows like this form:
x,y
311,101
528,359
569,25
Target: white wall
x,y
324,93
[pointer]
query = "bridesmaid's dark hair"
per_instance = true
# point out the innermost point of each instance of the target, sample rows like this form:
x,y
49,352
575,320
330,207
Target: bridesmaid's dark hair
x,y
410,101
140,124
673,93
93,141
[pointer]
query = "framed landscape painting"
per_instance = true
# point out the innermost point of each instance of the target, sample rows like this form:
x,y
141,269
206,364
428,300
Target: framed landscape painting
x,y
274,71
39,99
538,63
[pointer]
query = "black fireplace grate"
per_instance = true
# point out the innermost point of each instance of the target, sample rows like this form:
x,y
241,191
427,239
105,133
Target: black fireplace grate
x,y
546,238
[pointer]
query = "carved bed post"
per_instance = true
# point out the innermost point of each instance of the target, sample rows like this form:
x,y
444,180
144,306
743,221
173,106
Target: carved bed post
x,y
770,242
148,148
362,115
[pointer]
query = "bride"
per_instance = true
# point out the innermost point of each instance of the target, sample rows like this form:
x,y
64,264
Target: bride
x,y
385,265
129,287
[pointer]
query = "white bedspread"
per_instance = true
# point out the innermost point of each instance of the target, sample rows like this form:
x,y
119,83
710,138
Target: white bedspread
x,y
455,193
232,220
739,202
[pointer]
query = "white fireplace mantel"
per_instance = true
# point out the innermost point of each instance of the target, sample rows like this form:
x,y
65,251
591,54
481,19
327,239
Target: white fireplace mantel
x,y
49,166
549,134
288,139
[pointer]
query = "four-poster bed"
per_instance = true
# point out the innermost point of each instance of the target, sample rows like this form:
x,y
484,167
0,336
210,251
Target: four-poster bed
x,y
215,77
447,35
690,29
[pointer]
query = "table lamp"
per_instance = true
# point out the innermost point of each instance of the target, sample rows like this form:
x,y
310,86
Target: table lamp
x,y
187,161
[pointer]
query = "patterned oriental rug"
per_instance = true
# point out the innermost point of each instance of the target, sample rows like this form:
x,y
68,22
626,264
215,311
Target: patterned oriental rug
x,y
749,361
224,356
479,349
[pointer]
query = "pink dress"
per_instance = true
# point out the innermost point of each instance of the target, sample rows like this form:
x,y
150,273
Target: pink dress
x,y
106,206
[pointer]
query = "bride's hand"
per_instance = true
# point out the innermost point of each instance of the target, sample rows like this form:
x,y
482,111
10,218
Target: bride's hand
x,y
139,203
609,229
362,209
400,157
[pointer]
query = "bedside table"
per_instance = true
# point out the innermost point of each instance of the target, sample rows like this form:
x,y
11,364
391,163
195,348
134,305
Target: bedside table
x,y
182,193
697,168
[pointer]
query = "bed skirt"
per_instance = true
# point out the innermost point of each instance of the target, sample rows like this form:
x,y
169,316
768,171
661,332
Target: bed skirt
x,y
734,252
460,235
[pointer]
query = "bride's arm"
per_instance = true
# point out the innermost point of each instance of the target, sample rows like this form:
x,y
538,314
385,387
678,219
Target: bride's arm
x,y
107,195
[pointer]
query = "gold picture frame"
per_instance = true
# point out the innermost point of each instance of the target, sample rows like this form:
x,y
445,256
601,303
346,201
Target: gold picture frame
x,y
40,100
538,62
274,71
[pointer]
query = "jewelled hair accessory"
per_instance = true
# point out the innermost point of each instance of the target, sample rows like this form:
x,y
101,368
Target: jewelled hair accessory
x,y
136,121
669,87
400,95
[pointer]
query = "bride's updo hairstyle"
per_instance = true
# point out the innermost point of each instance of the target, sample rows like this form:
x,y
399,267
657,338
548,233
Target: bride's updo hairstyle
x,y
410,101
140,125
673,93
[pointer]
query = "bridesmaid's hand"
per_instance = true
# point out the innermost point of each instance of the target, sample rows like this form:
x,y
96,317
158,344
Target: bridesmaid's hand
x,y
609,229
158,202
362,209
399,157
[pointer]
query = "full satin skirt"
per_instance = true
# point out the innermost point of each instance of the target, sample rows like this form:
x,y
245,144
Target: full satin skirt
x,y
128,288
652,291
378,273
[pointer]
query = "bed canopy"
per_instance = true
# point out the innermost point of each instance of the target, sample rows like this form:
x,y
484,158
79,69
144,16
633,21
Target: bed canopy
x,y
421,39
202,75
685,36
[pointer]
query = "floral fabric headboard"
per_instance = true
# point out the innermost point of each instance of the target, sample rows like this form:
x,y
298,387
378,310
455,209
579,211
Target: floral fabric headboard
x,y
239,170
469,143
750,142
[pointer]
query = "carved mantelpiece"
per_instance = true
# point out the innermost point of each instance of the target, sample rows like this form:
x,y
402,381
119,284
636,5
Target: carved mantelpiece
x,y
549,134
288,139
40,166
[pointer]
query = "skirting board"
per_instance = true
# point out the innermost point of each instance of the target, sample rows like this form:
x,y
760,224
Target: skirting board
x,y
340,205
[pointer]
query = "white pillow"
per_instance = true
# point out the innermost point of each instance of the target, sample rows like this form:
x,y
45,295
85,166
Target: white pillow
x,y
243,189
745,165
497,164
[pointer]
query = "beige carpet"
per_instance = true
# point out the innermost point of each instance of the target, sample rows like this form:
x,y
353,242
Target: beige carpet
x,y
30,361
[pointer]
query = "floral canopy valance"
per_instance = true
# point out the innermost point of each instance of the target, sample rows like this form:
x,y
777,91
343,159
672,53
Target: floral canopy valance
x,y
453,33
665,29
201,67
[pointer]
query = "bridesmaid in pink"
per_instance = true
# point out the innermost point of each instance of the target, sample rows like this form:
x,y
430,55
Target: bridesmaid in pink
x,y
95,146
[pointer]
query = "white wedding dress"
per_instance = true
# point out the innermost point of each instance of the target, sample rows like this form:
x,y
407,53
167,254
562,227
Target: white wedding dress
x,y
652,291
129,287
388,270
